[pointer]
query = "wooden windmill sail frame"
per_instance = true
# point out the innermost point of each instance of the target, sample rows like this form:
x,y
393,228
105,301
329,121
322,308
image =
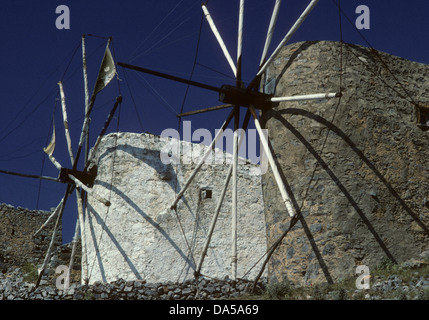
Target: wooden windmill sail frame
x,y
79,181
238,96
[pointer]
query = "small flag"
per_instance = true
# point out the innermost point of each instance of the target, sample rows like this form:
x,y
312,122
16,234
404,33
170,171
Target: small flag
x,y
107,72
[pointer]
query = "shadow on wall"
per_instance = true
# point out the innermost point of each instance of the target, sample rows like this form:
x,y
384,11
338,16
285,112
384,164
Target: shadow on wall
x,y
168,175
294,56
167,172
370,55
353,147
278,115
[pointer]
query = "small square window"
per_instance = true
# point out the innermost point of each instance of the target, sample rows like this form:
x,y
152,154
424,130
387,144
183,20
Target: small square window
x,y
206,194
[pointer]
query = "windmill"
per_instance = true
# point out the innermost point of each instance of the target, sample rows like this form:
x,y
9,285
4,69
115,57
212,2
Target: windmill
x,y
237,97
78,181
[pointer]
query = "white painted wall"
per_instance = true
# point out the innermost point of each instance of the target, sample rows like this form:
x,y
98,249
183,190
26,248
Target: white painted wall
x,y
137,237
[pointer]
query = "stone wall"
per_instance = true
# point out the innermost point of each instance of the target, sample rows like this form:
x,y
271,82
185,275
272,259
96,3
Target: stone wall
x,y
17,244
139,238
357,166
13,287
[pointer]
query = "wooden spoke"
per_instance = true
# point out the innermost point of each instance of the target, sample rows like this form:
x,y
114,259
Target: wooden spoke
x,y
219,39
270,31
288,35
190,113
316,96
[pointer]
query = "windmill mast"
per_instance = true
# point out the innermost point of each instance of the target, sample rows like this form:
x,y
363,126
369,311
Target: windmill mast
x,y
85,83
236,146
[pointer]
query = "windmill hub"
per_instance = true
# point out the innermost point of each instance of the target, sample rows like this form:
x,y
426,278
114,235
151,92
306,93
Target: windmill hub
x,y
87,177
245,97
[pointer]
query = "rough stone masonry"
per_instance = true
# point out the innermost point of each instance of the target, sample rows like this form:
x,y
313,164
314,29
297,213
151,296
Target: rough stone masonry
x,y
18,246
357,166
139,238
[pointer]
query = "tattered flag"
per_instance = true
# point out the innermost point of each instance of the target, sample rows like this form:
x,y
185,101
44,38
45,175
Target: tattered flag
x,y
49,150
107,72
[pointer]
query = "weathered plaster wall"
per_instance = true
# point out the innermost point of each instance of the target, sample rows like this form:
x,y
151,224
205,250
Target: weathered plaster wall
x,y
357,166
137,237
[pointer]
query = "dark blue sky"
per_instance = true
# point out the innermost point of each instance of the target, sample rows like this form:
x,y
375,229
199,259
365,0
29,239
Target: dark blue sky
x,y
158,34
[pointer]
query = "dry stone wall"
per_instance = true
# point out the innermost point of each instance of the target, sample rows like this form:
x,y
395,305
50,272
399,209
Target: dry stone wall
x,y
139,238
17,244
357,166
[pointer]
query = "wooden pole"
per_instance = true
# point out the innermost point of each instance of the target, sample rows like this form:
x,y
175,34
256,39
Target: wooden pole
x,y
66,124
234,213
85,85
30,176
190,113
89,190
171,77
197,168
219,39
234,196
213,221
287,201
220,201
54,162
273,248
78,196
54,213
288,35
73,254
103,131
84,277
316,96
270,31
86,121
54,234
240,39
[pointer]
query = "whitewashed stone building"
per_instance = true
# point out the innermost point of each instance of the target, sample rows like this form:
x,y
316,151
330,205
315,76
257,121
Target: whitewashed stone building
x,y
139,237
